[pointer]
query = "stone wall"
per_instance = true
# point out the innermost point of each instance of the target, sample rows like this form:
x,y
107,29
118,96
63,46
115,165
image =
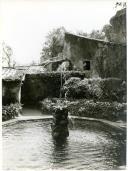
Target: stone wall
x,y
11,92
106,59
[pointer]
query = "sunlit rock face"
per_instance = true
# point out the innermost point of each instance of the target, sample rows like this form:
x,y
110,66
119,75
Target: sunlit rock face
x,y
118,29
60,123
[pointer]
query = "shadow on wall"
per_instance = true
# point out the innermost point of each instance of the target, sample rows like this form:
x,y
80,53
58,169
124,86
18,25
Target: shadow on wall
x,y
107,59
11,92
36,87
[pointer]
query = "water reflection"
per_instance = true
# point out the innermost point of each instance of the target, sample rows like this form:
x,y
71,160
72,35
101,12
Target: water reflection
x,y
60,150
90,145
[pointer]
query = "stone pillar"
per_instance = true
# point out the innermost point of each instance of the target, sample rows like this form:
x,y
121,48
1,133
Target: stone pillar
x,y
60,123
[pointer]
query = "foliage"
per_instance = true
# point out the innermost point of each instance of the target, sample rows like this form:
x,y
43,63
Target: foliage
x,y
7,56
88,108
110,89
107,29
103,34
76,88
54,43
11,111
81,33
47,106
95,34
39,86
64,66
72,81
103,110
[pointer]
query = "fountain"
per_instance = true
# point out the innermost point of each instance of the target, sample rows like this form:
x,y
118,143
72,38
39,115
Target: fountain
x,y
60,123
90,146
60,118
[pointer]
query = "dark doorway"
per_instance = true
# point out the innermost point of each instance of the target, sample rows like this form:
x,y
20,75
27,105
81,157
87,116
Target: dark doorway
x,y
86,65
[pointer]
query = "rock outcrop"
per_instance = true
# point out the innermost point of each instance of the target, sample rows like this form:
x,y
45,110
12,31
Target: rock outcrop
x,y
116,32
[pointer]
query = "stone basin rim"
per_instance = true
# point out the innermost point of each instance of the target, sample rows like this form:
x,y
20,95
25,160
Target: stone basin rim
x,y
31,118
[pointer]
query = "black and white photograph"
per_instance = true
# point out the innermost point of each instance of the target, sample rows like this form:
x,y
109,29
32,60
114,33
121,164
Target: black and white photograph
x,y
64,84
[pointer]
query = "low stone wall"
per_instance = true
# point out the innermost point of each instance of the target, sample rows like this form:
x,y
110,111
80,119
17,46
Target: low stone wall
x,y
36,87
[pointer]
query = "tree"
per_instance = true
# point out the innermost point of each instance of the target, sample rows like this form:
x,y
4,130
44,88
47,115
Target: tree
x,y
107,29
54,43
7,53
81,33
95,34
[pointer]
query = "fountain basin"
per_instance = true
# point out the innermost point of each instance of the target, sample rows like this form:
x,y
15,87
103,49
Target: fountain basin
x,y
60,123
91,145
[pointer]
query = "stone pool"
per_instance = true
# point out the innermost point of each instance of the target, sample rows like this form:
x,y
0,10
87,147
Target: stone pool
x,y
90,145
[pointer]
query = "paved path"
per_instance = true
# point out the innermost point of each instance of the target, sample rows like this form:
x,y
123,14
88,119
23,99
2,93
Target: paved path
x,y
31,112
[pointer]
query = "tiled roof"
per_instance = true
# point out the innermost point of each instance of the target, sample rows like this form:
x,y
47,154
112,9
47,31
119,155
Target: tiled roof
x,y
92,39
11,74
18,73
35,70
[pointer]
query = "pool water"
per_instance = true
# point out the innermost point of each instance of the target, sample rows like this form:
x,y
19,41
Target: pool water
x,y
90,145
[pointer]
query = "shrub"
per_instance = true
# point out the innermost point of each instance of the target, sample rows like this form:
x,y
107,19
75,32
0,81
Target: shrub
x,y
89,108
104,110
48,105
11,111
110,89
76,88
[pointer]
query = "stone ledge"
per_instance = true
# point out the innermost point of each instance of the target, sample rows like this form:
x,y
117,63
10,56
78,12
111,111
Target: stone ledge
x,y
118,125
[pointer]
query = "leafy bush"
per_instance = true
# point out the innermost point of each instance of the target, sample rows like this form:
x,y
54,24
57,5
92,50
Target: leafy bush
x,y
103,110
88,108
76,88
11,111
49,104
110,89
